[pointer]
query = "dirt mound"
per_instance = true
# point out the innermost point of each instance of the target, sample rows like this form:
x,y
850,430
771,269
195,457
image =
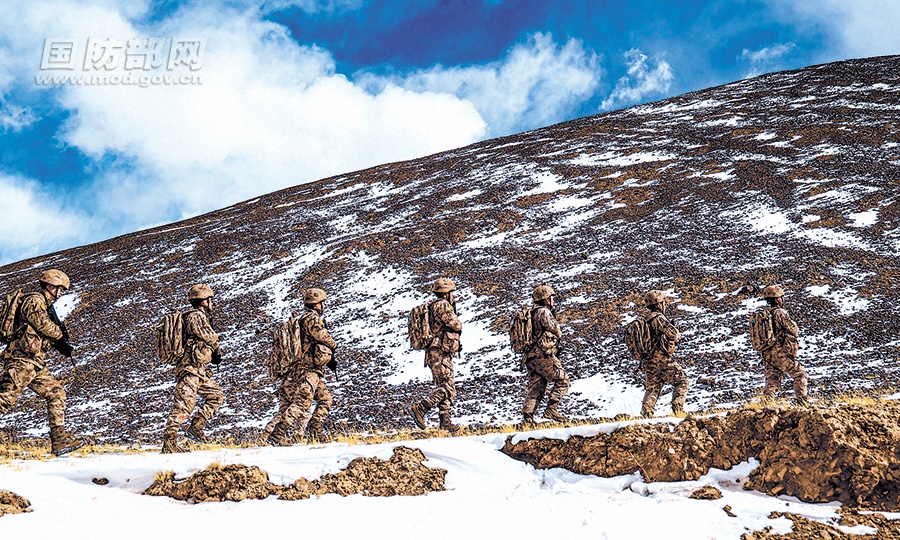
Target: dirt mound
x,y
10,503
707,493
807,529
215,483
849,453
402,474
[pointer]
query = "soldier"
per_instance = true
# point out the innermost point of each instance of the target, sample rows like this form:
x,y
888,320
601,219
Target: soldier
x,y
781,359
541,361
660,368
304,382
37,329
193,376
446,329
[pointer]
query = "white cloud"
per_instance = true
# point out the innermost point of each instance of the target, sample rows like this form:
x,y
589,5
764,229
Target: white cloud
x,y
860,28
313,6
34,220
268,114
767,58
642,80
535,84
14,118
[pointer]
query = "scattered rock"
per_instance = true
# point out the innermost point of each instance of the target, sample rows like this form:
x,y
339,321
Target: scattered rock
x,y
402,474
100,481
849,454
10,503
727,510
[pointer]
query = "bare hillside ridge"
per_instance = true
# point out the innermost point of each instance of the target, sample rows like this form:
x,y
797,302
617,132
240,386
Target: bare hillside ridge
x,y
787,177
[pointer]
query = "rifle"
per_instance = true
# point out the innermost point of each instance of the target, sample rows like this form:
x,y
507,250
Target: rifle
x,y
62,345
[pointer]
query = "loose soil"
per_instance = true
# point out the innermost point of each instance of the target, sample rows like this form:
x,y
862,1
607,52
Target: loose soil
x,y
807,529
10,503
402,474
848,453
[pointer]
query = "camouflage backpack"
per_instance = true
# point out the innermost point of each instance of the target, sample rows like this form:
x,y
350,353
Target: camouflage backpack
x,y
287,347
419,327
170,338
762,330
520,331
639,338
8,315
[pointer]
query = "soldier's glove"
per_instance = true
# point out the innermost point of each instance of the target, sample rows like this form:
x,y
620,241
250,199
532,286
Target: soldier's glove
x,y
216,357
65,348
332,365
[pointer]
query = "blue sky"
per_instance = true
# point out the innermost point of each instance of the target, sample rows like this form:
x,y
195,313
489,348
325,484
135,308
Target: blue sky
x,y
290,91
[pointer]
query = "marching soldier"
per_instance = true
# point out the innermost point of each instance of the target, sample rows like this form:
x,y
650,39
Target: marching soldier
x,y
37,329
781,359
660,368
193,376
305,382
541,360
446,329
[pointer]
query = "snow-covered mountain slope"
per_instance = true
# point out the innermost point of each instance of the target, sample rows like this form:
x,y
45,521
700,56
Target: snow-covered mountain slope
x,y
788,177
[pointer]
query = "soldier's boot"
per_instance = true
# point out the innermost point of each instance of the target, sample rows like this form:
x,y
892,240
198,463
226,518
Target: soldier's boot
x,y
446,424
801,402
315,433
61,442
170,444
550,413
528,420
195,430
418,413
279,437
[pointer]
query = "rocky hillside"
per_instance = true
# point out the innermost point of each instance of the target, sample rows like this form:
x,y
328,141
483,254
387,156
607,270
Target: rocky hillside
x,y
788,177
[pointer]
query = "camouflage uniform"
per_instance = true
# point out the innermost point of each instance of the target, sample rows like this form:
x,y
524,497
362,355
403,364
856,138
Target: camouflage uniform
x,y
305,378
193,375
542,364
23,359
446,328
660,368
781,360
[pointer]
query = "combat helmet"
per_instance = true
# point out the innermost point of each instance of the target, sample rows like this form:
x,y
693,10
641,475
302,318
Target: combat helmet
x,y
56,278
654,297
200,292
314,296
773,291
442,285
542,292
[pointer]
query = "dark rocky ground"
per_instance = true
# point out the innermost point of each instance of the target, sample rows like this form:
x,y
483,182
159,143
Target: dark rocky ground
x,y
788,177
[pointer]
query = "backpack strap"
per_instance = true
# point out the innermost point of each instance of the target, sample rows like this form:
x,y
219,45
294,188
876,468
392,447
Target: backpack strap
x,y
653,335
19,321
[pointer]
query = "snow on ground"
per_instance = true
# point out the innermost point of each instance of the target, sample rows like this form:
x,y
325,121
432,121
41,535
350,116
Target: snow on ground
x,y
489,495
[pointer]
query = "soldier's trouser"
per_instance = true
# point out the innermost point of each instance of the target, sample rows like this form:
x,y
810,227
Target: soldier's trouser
x,y
656,377
300,425
19,375
544,371
441,365
778,364
296,396
187,388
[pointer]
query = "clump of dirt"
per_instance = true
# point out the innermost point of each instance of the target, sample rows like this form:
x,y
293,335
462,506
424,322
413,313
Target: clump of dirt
x,y
707,493
215,483
807,529
849,453
402,474
10,503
